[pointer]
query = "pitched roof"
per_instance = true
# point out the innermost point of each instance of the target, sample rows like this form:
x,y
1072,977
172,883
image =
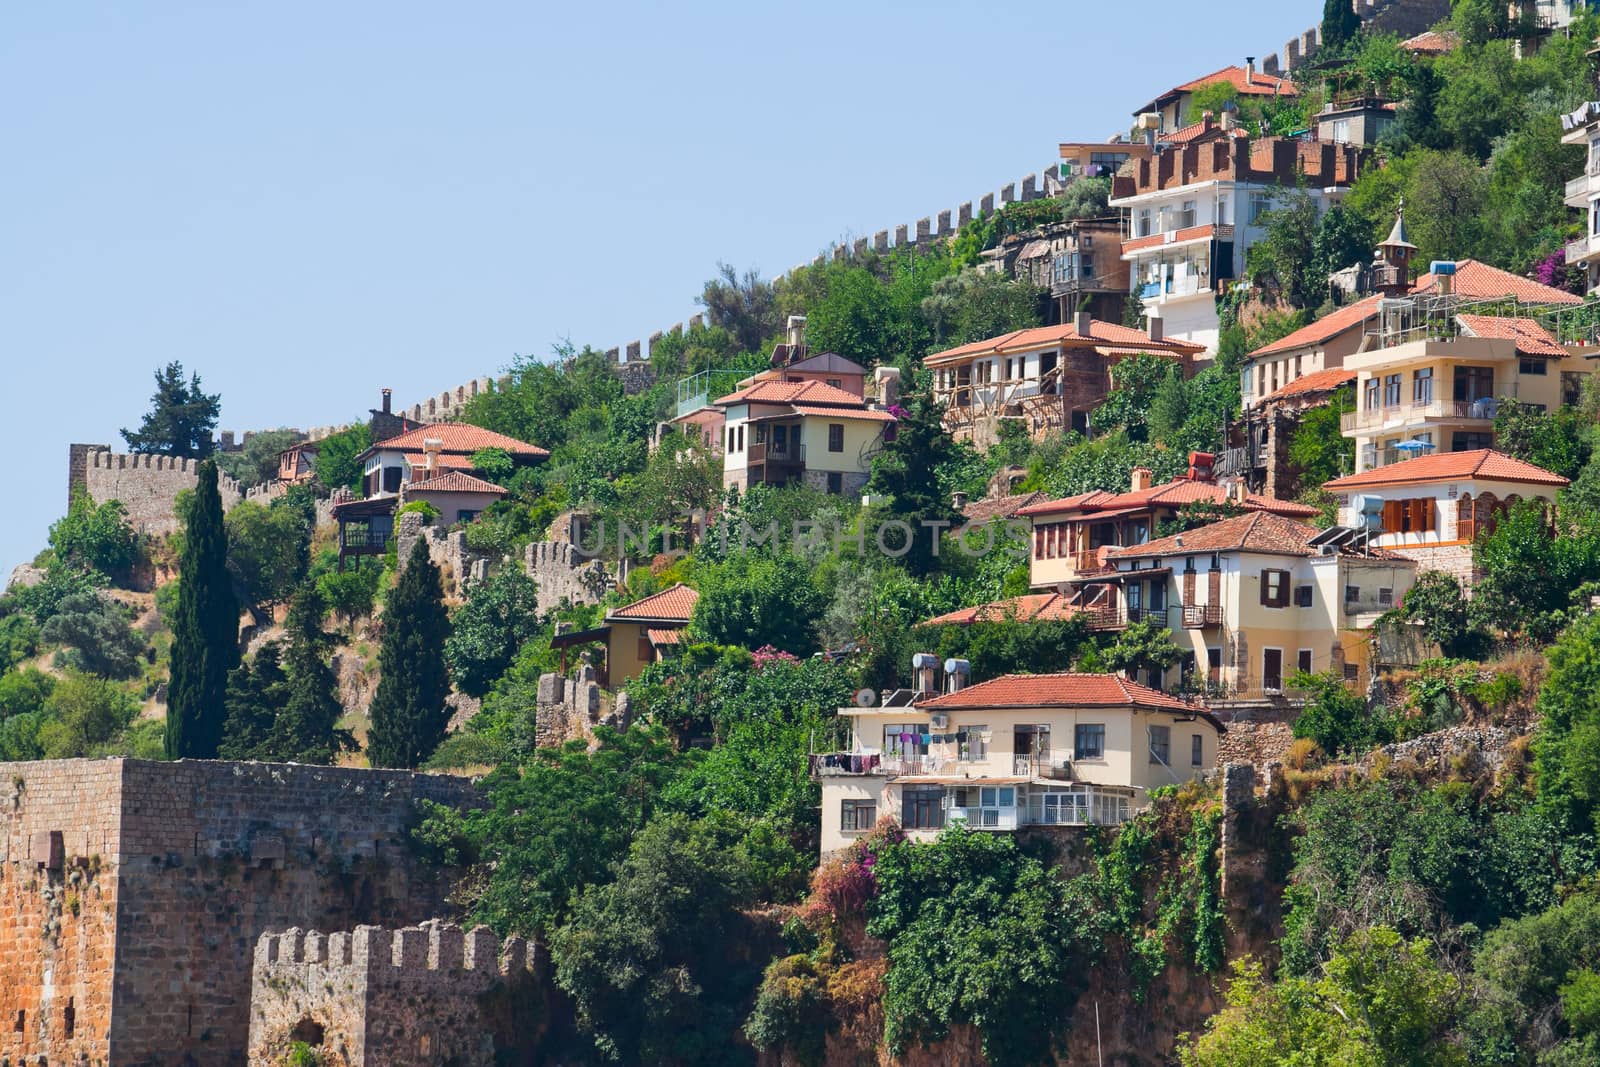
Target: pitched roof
x,y
1318,381
771,392
1531,338
660,637
1000,507
457,437
1481,463
1326,328
1100,334
1067,690
1196,131
868,414
1034,607
455,482
1172,494
1432,43
674,604
1483,282
1256,532
1248,84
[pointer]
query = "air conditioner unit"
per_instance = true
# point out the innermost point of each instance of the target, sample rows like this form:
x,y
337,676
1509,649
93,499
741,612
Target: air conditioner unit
x,y
938,721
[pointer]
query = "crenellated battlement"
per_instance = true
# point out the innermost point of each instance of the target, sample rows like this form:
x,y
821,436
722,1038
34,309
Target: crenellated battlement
x,y
433,947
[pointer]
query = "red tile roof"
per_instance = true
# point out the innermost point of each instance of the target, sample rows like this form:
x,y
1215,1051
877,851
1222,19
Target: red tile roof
x,y
772,392
674,604
1201,129
455,482
1257,84
1531,338
1484,464
1172,494
1432,43
1318,381
1326,328
999,507
445,460
1100,334
1058,691
1256,532
1035,607
1480,281
664,637
459,438
860,414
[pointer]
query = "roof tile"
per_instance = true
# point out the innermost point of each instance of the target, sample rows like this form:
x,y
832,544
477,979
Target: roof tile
x,y
1034,607
1100,333
1531,338
1058,691
1256,532
460,438
1326,328
1479,281
674,604
1318,381
1483,464
455,482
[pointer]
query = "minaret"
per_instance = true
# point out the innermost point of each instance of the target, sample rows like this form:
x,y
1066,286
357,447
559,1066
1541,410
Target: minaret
x,y
1395,256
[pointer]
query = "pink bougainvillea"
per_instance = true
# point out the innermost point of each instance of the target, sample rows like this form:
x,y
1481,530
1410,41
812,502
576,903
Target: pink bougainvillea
x,y
767,654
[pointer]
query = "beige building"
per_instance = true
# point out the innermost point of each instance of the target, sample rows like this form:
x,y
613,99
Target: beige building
x,y
456,495
638,634
1432,508
777,432
1257,598
1059,750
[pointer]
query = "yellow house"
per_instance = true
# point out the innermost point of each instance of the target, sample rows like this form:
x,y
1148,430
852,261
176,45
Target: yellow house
x,y
1257,598
1440,390
1057,750
777,432
638,634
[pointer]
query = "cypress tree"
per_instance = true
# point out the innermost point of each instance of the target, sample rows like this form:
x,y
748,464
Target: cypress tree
x,y
256,691
306,727
205,630
409,713
1340,24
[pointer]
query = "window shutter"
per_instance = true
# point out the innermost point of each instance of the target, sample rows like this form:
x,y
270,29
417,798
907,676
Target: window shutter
x,y
1391,516
1266,589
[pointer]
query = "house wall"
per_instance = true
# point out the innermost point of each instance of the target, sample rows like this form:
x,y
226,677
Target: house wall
x,y
623,661
451,505
1264,376
1445,496
860,437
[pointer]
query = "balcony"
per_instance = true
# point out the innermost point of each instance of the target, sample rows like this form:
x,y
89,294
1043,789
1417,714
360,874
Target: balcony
x,y
870,765
1581,188
1202,616
1373,457
1396,416
1369,603
697,391
985,818
764,454
1583,249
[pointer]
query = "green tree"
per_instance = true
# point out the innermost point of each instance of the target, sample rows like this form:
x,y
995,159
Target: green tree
x,y
1521,545
1286,253
1437,603
256,690
305,729
1143,647
494,464
337,464
205,629
181,417
1337,718
99,634
754,599
972,305
501,612
269,551
1559,441
1087,198
1340,24
350,594
1318,450
96,537
256,461
1343,239
900,472
1567,745
645,958
744,306
24,691
1138,380
409,713
85,713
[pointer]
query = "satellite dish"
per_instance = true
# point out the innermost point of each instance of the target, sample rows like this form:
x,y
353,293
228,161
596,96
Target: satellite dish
x,y
865,698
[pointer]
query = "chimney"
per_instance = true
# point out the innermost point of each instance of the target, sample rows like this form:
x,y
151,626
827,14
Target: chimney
x,y
1236,491
797,330
1249,70
431,446
388,397
1085,324
956,674
888,382
925,672
1158,330
958,500
1142,479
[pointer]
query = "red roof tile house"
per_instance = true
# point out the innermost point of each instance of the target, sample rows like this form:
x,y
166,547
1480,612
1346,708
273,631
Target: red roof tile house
x,y
1174,105
1050,377
638,634
777,432
1432,508
1045,750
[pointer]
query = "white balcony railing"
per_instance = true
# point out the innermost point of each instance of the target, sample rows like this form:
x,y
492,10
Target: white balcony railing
x,y
1397,415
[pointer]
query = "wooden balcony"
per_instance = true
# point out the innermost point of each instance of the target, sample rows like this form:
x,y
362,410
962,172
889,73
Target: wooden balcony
x,y
1202,616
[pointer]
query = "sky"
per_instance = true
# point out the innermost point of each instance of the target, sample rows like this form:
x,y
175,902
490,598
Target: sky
x,y
306,203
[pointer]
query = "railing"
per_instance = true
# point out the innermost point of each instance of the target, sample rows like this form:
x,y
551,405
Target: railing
x,y
765,453
1583,248
1404,414
1233,461
1158,615
359,538
1373,457
1366,605
871,764
697,390
1201,616
1041,765
990,818
1084,805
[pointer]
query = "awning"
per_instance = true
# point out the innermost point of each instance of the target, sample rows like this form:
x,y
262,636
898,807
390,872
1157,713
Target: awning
x,y
665,637
938,779
365,509
580,637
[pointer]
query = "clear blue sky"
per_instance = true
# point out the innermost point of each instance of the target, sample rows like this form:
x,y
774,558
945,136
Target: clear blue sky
x,y
307,202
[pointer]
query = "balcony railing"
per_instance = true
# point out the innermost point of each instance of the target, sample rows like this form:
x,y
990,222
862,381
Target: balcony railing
x,y
764,453
871,764
1201,616
1373,457
1583,249
1368,604
1408,414
362,539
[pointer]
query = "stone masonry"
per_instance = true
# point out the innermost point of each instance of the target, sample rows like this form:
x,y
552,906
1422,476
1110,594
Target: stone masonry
x,y
132,894
563,573
413,997
147,485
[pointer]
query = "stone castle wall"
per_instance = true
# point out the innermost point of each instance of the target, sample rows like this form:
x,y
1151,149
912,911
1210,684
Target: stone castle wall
x,y
412,997
563,574
147,485
165,876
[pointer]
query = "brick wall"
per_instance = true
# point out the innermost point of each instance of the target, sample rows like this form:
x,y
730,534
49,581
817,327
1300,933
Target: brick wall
x,y
180,868
1271,160
412,997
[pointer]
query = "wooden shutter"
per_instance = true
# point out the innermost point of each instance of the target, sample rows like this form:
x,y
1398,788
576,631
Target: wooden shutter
x,y
1392,512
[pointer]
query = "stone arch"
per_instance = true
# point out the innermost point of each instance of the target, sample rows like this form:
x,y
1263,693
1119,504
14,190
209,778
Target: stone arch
x,y
308,1031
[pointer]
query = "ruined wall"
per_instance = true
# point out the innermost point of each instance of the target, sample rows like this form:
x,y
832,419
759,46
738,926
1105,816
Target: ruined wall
x,y
413,997
148,486
563,574
180,867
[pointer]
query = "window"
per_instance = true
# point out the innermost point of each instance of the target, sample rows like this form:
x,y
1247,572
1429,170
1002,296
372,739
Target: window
x,y
1473,384
1572,387
922,808
1385,598
780,439
905,739
1370,393
1409,516
1260,204
1143,223
1533,366
836,437
986,805
391,479
741,439
835,483
837,383
1352,672
1352,593
1391,391
1223,218
645,650
1302,596
1275,589
857,816
466,515
1197,750
1161,745
1272,670
1422,386
1186,215
970,745
1468,441
1303,661
1341,131
1089,741
760,435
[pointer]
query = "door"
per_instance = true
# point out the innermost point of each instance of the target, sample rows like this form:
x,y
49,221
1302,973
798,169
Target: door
x,y
1272,669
